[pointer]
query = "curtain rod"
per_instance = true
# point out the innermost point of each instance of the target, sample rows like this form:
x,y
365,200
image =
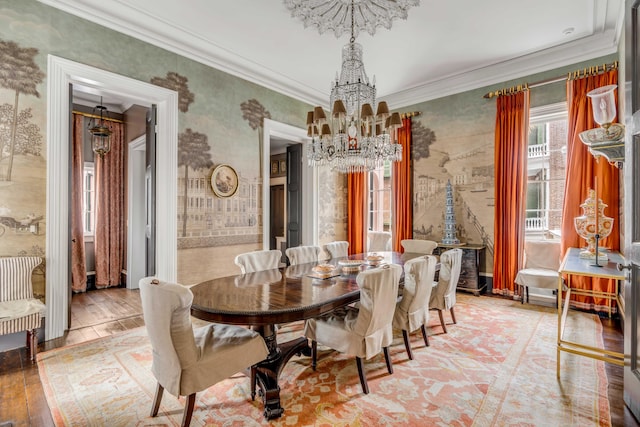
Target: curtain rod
x,y
410,114
93,116
570,76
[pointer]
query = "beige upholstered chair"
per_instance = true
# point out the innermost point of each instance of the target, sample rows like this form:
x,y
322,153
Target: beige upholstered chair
x,y
258,260
339,249
186,361
365,331
412,311
19,310
302,254
541,265
443,295
379,241
418,246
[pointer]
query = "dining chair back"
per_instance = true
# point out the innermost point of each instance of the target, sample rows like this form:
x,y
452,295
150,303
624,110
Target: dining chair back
x,y
363,331
541,265
186,361
412,311
258,260
338,249
20,311
379,241
443,296
418,246
302,254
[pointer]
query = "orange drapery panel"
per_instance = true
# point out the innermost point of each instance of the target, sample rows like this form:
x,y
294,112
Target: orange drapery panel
x,y
355,212
401,189
583,170
512,122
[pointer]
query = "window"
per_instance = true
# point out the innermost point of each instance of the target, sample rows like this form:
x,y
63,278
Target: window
x,y
546,165
379,201
88,199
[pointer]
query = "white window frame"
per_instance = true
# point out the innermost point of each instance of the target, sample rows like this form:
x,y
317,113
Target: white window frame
x,y
541,115
88,198
374,210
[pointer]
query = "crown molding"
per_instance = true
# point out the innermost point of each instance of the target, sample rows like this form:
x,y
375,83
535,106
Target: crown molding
x,y
140,25
549,59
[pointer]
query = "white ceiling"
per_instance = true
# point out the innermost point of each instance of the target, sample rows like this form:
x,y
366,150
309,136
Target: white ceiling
x,y
444,46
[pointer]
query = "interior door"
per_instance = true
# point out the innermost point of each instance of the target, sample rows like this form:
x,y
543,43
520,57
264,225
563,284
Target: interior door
x,y
150,190
294,195
277,214
632,210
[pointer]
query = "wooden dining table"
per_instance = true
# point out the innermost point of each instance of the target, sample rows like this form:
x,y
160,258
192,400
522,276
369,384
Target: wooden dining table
x,y
265,299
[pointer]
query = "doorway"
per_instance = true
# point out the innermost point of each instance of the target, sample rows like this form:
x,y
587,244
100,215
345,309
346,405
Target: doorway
x,y
61,74
274,130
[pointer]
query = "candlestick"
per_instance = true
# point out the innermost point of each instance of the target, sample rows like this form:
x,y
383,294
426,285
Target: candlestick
x,y
597,207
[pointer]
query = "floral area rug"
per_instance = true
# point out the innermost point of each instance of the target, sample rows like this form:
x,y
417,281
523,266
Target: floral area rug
x,y
495,367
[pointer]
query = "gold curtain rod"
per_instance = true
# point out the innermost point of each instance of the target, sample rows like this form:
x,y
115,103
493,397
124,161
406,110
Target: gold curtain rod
x,y
93,116
507,91
409,114
591,71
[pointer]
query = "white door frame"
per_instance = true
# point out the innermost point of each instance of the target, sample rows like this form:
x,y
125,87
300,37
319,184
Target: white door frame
x,y
272,128
60,74
136,211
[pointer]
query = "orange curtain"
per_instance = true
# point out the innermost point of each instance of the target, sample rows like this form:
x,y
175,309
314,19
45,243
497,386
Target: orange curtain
x,y
512,123
401,189
583,170
78,260
355,212
110,212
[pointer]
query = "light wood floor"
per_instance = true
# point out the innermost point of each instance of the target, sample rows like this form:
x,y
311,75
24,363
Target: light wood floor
x,y
104,312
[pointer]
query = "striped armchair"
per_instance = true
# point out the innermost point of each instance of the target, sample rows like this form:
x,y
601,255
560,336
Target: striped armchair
x,y
19,310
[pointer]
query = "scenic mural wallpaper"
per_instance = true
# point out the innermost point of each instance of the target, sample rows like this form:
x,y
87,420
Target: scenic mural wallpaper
x,y
221,122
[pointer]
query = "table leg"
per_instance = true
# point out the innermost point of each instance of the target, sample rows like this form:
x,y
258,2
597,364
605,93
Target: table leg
x,y
268,371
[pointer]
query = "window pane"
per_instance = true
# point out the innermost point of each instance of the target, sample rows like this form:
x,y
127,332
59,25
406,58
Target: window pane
x,y
546,165
379,199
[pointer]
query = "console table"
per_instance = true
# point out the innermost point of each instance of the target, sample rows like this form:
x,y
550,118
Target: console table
x,y
469,280
573,265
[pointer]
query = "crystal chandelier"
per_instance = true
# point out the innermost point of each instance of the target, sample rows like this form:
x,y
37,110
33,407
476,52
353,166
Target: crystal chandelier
x,y
100,132
353,138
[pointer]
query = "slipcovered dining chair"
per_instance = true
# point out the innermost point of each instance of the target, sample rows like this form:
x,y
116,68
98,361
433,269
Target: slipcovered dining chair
x,y
19,310
443,295
541,265
418,246
338,249
412,311
379,241
302,254
186,361
258,260
365,331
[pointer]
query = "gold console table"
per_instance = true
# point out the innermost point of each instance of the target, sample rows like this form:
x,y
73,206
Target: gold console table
x,y
573,265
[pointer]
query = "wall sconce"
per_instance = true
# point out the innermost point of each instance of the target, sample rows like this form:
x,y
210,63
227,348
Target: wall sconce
x,y
100,132
608,139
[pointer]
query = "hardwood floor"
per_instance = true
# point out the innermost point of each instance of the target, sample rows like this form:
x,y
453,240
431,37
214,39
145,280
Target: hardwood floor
x,y
104,312
94,314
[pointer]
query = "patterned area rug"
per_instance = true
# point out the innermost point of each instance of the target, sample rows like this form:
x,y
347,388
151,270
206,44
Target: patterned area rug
x,y
495,367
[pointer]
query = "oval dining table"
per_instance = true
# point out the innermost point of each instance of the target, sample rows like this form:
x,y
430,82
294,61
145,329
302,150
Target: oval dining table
x,y
268,298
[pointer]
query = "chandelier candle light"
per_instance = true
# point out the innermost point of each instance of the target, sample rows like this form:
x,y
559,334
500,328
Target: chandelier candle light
x,y
353,138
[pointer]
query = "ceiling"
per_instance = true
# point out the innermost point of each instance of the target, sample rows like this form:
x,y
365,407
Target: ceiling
x,y
440,49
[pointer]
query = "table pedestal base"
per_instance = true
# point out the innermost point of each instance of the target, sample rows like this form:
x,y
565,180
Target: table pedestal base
x,y
268,371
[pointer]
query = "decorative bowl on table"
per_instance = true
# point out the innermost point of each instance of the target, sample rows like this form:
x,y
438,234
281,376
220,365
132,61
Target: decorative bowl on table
x,y
323,269
350,265
374,259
